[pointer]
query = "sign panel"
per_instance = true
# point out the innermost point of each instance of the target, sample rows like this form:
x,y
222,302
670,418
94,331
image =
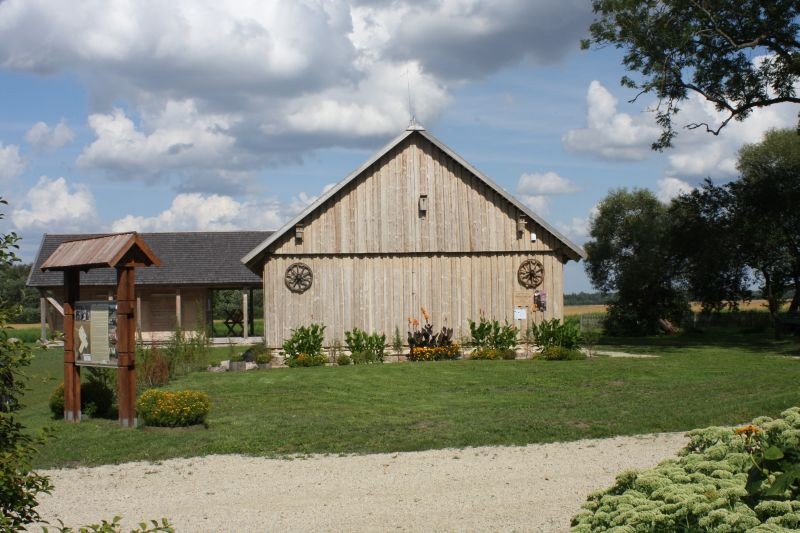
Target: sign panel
x,y
96,333
521,313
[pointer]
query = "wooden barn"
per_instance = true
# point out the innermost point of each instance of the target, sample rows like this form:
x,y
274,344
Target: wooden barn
x,y
176,294
415,226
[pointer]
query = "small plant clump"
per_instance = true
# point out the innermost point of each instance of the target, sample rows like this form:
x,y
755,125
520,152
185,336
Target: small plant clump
x,y
490,334
492,354
304,347
554,333
559,353
427,345
97,395
365,348
343,359
744,479
162,408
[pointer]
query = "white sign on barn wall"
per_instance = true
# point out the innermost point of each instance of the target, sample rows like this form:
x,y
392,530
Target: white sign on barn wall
x,y
520,313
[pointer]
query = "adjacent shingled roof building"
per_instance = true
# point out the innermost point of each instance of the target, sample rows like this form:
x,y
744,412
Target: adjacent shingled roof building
x,y
187,258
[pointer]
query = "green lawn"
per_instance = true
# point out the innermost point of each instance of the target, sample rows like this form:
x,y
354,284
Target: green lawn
x,y
696,382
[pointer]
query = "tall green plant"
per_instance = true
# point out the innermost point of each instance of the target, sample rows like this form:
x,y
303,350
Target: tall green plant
x,y
304,347
364,347
19,484
552,333
489,334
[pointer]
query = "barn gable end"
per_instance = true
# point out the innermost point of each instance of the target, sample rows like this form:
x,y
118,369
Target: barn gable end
x,y
415,226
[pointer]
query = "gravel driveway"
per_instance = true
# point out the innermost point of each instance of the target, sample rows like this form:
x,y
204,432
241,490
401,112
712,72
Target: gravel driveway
x,y
526,488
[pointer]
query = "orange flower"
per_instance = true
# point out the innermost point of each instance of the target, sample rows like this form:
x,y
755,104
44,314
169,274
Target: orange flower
x,y
748,430
425,314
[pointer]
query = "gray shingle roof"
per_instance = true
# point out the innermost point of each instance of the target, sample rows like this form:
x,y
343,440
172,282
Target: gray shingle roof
x,y
187,258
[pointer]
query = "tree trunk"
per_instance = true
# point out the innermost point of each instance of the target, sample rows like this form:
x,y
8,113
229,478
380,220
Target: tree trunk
x,y
772,304
796,298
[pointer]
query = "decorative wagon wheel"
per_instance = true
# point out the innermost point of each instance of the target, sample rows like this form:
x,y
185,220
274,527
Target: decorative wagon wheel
x,y
299,277
530,273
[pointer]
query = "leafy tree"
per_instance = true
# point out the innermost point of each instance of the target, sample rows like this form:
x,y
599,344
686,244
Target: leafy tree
x,y
13,291
705,47
19,484
768,196
710,246
629,255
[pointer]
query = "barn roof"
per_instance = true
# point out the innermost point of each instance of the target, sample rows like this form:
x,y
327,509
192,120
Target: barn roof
x,y
187,258
253,258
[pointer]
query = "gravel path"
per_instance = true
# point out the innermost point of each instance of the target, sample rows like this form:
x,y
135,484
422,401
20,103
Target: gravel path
x,y
527,488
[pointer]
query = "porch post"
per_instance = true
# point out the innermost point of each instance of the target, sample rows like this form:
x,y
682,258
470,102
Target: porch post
x,y
245,316
43,316
178,318
72,372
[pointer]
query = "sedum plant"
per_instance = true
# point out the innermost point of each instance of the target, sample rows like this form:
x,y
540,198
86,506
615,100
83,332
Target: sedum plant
x,y
744,479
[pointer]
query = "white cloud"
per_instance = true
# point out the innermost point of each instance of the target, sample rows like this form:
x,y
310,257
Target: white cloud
x,y
577,228
11,163
43,137
535,189
669,188
610,134
539,204
199,212
214,91
615,135
54,204
546,183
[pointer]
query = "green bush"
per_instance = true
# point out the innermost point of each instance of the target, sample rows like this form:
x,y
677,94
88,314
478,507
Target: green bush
x,y
493,354
98,393
306,342
258,353
56,402
490,334
365,348
745,479
554,333
343,360
559,353
157,407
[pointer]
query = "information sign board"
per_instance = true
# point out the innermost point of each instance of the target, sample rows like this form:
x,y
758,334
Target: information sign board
x,y
96,333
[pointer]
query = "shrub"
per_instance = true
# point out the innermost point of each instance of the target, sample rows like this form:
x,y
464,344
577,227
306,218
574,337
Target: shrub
x,y
98,393
56,402
237,357
186,353
343,360
725,479
258,353
157,407
554,333
490,334
559,353
305,341
509,355
438,353
365,348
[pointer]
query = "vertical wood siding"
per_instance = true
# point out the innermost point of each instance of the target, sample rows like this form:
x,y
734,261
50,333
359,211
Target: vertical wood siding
x,y
380,292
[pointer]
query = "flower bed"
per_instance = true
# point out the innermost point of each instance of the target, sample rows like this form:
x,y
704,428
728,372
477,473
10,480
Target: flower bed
x,y
173,408
439,353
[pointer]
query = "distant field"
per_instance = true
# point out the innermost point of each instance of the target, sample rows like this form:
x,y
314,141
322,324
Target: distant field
x,y
570,310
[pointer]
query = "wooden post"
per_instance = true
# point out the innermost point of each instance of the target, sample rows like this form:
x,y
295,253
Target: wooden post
x,y
126,346
43,317
245,316
178,317
72,372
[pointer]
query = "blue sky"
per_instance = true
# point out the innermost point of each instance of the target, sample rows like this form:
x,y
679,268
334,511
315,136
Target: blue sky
x,y
191,115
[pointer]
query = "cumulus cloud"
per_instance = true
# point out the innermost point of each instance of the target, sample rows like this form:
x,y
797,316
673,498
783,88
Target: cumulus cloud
x,y
616,135
11,163
534,189
215,91
43,137
54,203
199,212
609,133
669,188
